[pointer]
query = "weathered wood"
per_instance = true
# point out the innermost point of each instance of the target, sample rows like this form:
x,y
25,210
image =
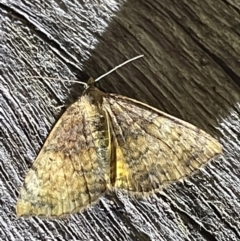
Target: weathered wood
x,y
190,70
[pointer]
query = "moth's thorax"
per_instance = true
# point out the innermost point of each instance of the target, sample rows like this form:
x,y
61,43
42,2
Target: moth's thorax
x,y
95,95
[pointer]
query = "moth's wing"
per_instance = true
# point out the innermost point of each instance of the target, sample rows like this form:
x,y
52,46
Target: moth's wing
x,y
152,148
66,175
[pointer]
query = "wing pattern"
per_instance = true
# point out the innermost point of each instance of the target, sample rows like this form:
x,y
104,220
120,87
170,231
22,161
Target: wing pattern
x,y
72,169
153,148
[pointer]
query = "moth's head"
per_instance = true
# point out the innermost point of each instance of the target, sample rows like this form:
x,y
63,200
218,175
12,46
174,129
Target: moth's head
x,y
94,93
90,82
89,86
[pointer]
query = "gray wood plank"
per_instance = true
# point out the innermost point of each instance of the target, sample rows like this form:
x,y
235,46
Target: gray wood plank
x,y
190,70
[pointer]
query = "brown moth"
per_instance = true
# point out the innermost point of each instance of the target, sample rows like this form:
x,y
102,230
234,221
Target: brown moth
x,y
107,141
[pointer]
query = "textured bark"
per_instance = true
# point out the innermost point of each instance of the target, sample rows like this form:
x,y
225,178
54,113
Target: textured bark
x,y
190,70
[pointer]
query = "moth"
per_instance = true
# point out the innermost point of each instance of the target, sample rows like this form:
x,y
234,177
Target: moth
x,y
107,141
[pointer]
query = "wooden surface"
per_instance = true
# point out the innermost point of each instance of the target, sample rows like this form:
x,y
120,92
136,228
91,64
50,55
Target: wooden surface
x,y
190,70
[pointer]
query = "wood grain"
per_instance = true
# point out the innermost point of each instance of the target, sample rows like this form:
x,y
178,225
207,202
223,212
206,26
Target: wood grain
x,y
190,70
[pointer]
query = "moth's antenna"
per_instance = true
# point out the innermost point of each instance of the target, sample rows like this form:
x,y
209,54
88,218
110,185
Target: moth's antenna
x,y
83,83
119,66
50,78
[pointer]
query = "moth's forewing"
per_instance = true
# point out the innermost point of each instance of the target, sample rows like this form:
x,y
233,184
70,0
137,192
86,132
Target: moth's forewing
x,y
73,168
152,148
